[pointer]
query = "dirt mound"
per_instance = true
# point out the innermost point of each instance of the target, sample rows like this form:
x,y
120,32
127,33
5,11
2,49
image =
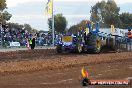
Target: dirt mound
x,y
26,61
26,54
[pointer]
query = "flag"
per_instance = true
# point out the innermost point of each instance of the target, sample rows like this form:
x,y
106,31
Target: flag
x,y
49,7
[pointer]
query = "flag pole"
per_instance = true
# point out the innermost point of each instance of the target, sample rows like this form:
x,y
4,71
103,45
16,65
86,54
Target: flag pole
x,y
53,33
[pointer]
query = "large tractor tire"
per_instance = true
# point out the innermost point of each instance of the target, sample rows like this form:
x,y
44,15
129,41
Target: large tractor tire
x,y
91,39
95,41
84,49
59,49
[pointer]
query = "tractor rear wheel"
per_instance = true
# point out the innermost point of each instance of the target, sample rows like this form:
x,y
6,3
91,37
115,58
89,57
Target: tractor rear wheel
x,y
95,41
59,49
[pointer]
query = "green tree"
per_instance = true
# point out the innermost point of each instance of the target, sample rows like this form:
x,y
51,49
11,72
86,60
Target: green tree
x,y
4,15
2,5
75,28
17,26
60,23
107,13
126,20
29,28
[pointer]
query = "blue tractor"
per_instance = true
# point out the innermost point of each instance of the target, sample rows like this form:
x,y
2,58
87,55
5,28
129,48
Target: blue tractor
x,y
81,42
71,43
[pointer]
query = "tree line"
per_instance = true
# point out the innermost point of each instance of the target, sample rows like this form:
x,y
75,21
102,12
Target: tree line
x,y
5,16
106,13
27,27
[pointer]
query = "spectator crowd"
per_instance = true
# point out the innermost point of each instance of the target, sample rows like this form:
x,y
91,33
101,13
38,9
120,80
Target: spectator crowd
x,y
16,35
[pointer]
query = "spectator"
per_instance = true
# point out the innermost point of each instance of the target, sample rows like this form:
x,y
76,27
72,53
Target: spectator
x,y
30,43
33,42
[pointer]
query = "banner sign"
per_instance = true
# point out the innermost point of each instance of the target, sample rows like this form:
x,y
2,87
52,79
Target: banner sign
x,y
14,44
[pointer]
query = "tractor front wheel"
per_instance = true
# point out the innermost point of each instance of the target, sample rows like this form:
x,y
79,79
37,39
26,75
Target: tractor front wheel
x,y
59,49
79,49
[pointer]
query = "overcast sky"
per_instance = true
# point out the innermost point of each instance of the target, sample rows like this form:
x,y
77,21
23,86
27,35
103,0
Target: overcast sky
x,y
33,11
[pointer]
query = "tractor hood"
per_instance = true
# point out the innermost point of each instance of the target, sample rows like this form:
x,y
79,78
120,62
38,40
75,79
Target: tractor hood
x,y
67,40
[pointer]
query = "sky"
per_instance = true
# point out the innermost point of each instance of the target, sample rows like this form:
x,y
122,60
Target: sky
x,y
33,11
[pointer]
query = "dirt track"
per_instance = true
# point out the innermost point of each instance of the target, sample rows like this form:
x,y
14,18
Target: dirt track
x,y
62,71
